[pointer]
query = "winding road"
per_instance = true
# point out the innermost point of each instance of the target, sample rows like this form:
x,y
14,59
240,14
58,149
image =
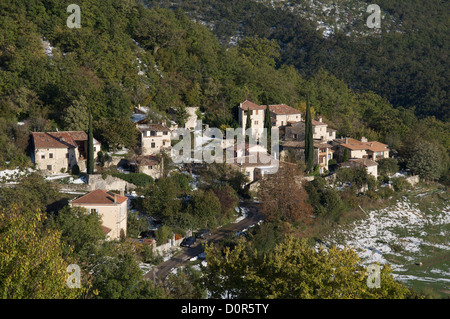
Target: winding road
x,y
161,271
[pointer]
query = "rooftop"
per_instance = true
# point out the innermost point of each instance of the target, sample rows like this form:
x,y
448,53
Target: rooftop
x,y
281,109
65,139
100,196
354,144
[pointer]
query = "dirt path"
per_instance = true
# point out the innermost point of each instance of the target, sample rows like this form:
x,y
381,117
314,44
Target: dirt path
x,y
162,270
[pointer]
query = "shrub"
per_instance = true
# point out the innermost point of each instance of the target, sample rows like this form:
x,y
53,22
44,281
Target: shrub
x,y
163,233
400,184
138,179
76,170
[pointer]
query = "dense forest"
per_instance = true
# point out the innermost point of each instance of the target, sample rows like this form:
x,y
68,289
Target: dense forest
x,y
406,61
127,54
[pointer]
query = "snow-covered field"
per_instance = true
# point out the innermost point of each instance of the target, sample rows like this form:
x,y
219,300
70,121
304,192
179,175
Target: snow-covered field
x,y
415,243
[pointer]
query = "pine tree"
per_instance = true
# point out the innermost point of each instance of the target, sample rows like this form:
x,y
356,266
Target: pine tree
x,y
90,150
309,142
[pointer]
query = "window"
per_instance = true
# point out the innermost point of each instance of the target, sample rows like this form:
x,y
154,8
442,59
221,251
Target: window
x,y
256,122
50,155
150,167
152,133
165,133
67,155
49,167
153,145
94,211
43,156
256,112
147,133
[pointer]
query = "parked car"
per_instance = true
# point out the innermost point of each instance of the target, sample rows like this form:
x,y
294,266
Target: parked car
x,y
188,242
201,256
203,233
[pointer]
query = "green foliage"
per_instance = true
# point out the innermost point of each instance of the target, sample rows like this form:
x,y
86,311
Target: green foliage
x,y
205,207
116,132
136,224
31,257
185,284
31,191
408,49
387,166
80,231
90,151
163,234
138,179
400,184
309,142
76,116
119,277
426,159
293,270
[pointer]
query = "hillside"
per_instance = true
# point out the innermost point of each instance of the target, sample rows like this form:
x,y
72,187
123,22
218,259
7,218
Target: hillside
x,y
126,54
406,61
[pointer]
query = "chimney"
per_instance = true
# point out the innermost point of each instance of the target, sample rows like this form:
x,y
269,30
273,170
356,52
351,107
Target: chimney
x,y
346,140
363,139
115,198
320,118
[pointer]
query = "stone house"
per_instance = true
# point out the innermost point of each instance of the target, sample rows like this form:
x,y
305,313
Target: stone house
x,y
148,164
112,208
56,152
370,165
295,150
372,150
253,161
321,131
155,138
280,115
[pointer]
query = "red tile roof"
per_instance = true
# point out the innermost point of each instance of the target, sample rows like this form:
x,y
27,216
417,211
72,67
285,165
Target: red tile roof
x,y
106,230
373,146
58,139
100,196
248,105
145,160
281,109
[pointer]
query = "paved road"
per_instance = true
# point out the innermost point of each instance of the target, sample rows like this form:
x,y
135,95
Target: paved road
x,y
162,270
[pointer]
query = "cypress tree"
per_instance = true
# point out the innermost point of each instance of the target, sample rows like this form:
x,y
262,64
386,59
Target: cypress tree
x,y
248,123
268,127
345,155
309,142
90,150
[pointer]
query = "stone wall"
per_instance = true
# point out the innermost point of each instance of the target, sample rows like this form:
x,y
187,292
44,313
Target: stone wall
x,y
96,181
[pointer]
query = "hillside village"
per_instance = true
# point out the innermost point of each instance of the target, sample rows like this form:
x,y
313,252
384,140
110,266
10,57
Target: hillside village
x,y
223,150
56,153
